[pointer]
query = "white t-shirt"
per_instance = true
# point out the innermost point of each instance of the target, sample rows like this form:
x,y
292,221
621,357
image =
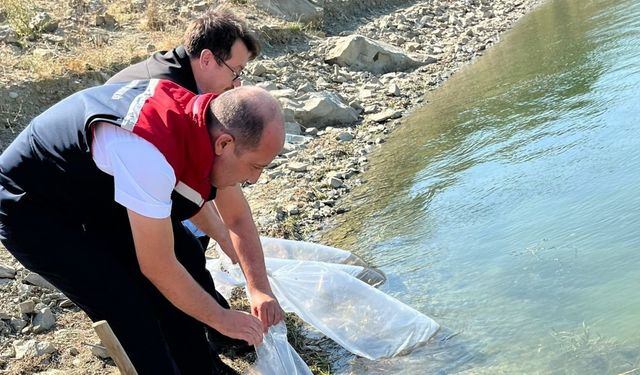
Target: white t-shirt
x,y
143,178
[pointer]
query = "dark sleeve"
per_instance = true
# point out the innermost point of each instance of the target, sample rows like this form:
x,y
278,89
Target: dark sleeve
x,y
170,65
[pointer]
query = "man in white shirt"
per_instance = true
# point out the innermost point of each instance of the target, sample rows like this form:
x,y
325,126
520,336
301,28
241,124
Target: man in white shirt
x,y
92,195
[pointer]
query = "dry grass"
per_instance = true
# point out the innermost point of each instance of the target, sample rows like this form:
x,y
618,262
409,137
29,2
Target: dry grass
x,y
86,47
96,54
18,14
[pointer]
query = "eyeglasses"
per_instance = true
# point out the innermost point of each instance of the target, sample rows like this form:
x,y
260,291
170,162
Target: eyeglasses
x,y
236,75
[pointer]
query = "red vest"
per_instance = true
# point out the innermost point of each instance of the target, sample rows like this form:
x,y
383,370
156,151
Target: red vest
x,y
173,119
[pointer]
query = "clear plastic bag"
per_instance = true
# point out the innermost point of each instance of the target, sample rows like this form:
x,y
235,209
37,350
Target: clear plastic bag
x,y
276,356
224,282
360,318
329,296
300,250
368,275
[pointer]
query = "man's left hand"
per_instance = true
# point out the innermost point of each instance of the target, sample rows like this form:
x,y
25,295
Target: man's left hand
x,y
266,307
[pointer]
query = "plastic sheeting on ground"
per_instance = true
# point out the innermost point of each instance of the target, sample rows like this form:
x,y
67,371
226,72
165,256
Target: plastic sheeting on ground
x,y
329,296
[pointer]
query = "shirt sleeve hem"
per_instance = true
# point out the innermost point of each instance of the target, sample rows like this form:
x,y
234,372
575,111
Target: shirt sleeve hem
x,y
141,207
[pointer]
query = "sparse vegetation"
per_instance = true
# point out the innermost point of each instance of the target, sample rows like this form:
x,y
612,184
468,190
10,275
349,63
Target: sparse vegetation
x,y
295,27
19,14
153,20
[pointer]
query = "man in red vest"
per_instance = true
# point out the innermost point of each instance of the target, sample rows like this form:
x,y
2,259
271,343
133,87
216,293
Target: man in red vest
x,y
93,193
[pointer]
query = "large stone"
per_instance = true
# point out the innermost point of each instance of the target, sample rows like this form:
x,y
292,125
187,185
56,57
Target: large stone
x,y
42,22
7,34
37,280
32,348
361,53
43,321
325,109
292,10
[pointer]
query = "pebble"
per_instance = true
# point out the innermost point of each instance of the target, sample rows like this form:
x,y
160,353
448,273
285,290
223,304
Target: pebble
x,y
100,351
298,167
335,182
27,307
344,137
7,272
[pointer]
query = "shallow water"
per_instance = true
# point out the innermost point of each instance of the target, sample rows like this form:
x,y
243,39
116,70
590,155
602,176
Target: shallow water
x,y
507,209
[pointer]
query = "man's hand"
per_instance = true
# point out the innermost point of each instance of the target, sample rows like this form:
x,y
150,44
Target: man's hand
x,y
242,326
153,239
266,308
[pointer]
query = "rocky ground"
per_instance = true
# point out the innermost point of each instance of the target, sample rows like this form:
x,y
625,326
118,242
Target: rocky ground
x,y
342,96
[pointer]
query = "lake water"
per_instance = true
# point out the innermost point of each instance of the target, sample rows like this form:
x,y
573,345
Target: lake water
x,y
508,208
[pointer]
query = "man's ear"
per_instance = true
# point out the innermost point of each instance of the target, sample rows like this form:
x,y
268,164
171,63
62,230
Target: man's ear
x,y
224,141
206,58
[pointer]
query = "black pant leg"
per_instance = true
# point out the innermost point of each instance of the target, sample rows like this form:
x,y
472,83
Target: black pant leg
x,y
92,275
185,335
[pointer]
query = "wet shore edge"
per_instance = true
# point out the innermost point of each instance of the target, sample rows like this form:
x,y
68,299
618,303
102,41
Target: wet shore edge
x,y
305,192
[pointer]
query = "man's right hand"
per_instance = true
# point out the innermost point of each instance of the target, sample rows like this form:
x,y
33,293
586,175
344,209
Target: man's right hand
x,y
153,239
242,326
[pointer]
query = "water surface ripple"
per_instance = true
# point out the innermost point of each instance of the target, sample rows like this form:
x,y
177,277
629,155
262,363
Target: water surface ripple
x,y
507,208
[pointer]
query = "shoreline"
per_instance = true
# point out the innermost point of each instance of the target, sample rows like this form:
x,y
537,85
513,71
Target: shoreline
x,y
304,190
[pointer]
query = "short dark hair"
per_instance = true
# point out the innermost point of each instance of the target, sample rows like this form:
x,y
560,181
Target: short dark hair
x,y
216,30
237,116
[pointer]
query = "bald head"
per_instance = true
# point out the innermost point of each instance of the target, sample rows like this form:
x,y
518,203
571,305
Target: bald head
x,y
247,132
247,113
